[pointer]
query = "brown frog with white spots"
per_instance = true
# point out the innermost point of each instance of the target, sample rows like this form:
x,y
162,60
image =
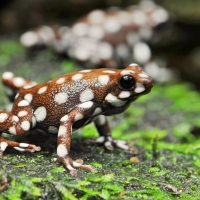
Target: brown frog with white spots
x,y
68,103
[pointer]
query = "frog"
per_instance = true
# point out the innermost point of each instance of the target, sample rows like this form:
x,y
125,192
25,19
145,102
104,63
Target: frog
x,y
65,104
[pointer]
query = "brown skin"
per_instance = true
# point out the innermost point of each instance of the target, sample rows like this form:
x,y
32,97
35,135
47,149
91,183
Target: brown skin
x,y
83,97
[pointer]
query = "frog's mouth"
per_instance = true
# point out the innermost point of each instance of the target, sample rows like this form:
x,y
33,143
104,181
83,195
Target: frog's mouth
x,y
136,95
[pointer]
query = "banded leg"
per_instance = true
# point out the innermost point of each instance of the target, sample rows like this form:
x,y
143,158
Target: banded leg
x,y
105,138
65,134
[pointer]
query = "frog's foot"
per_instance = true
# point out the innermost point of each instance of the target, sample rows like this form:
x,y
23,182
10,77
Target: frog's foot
x,y
4,143
110,143
70,164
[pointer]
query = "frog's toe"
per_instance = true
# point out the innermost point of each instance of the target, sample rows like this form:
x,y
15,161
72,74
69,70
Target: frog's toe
x,y
110,143
121,144
27,147
71,165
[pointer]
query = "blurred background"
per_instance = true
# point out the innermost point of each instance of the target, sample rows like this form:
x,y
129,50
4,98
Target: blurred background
x,y
176,41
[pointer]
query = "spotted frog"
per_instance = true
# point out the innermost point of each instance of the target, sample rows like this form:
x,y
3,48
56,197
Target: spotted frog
x,y
68,103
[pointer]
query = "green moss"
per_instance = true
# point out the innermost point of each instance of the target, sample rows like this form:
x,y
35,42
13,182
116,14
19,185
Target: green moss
x,y
159,124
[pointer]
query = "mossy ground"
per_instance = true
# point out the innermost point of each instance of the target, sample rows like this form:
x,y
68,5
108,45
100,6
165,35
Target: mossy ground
x,y
164,126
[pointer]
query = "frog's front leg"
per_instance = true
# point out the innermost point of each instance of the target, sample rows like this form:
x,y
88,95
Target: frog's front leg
x,y
17,123
65,134
105,138
13,83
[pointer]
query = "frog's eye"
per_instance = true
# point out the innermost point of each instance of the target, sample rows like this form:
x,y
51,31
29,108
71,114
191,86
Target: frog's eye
x,y
127,82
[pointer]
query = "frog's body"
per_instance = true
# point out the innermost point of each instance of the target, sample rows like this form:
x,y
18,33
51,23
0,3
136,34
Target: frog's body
x,y
70,101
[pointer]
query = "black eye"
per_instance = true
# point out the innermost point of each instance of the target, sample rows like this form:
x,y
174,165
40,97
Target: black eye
x,y
127,82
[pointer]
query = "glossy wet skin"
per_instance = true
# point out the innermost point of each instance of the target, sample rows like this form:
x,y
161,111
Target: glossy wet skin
x,y
72,101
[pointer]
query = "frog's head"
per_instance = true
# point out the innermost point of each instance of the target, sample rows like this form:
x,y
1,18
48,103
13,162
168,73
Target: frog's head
x,y
128,85
134,82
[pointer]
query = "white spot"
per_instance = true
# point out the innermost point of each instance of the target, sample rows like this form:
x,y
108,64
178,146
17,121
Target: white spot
x,y
28,86
143,75
97,111
29,39
33,121
112,25
7,75
12,130
122,50
3,117
139,18
3,146
133,65
23,145
17,95
86,95
114,100
23,103
70,168
77,77
15,118
96,17
86,70
122,144
124,94
105,51
52,129
141,52
25,125
108,145
159,16
81,54
80,29
78,117
88,104
46,34
22,113
94,60
103,79
42,90
100,139
19,149
145,33
139,88
76,164
62,131
60,80
126,72
109,71
124,17
132,37
62,150
18,81
101,120
28,97
96,32
40,113
61,98
64,118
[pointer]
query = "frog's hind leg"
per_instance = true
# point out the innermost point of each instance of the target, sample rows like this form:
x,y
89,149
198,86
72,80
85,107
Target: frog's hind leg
x,y
4,143
106,139
13,83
